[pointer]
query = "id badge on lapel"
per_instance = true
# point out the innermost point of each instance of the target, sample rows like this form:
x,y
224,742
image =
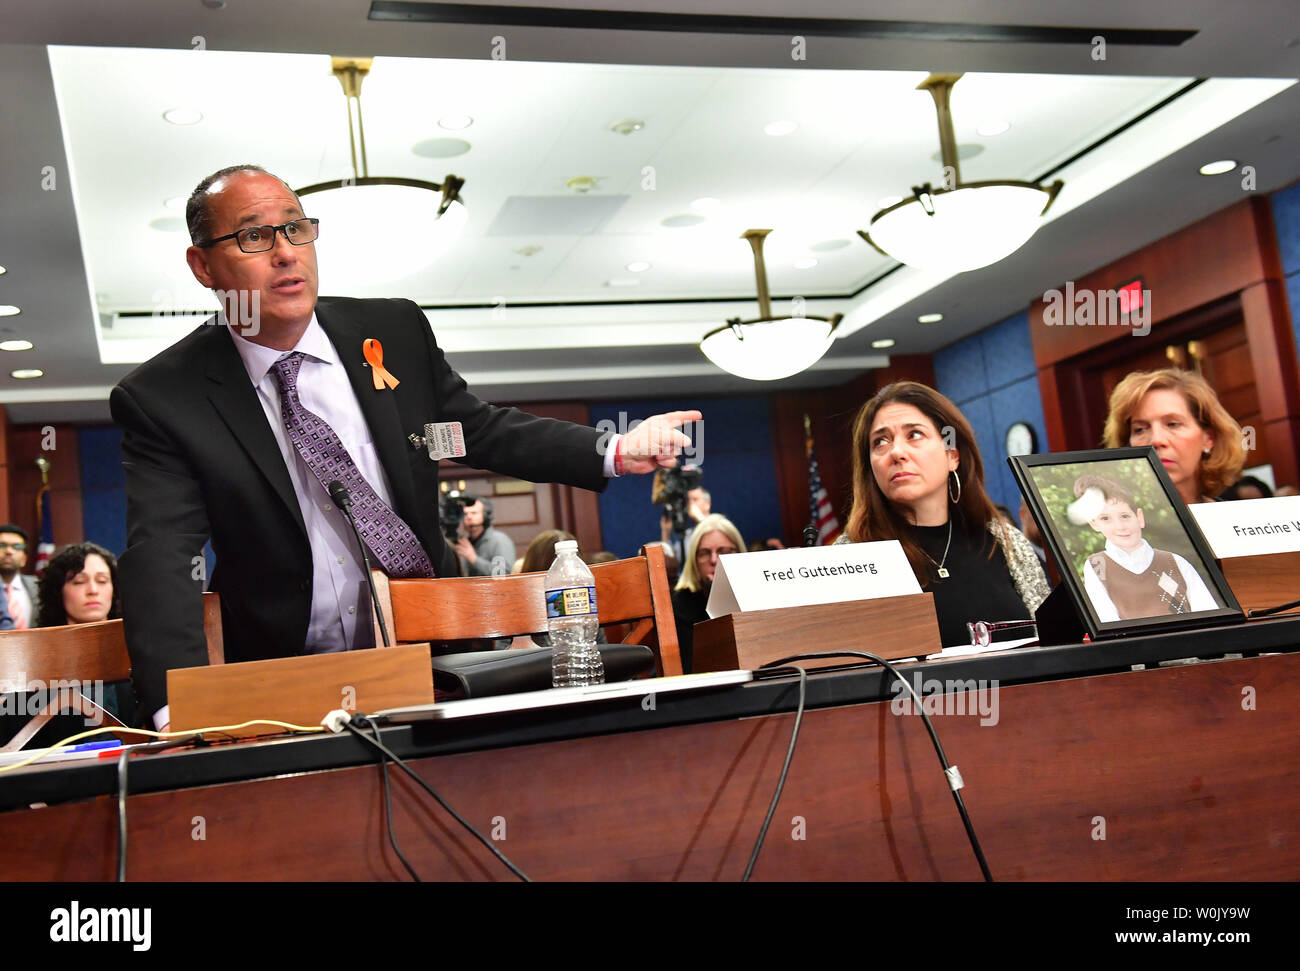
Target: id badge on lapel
x,y
443,439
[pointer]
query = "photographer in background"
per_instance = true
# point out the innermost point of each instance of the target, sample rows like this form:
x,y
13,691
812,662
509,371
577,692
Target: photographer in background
x,y
685,503
483,551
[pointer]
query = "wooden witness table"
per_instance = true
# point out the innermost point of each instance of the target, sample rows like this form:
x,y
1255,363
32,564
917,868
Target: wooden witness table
x,y
1189,773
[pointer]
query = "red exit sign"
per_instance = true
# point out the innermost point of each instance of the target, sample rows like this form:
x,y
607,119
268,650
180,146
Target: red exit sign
x,y
1130,296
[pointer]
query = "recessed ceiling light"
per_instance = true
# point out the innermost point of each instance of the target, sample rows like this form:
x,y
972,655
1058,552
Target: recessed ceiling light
x,y
805,263
183,116
682,220
883,343
638,266
27,372
16,345
929,318
3,271
175,202
9,310
706,203
778,128
623,281
1219,167
887,201
991,127
168,224
455,122
441,147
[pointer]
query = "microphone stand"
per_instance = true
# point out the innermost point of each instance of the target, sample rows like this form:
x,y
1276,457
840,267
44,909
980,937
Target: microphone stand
x,y
343,499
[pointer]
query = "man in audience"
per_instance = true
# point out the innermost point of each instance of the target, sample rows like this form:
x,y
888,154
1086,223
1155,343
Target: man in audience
x,y
236,433
19,588
485,550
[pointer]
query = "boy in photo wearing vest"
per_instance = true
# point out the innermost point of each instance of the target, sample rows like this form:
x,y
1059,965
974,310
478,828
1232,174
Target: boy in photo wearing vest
x,y
1129,579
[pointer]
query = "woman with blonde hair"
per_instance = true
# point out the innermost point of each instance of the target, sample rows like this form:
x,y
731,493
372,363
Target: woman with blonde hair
x,y
714,536
918,478
1178,414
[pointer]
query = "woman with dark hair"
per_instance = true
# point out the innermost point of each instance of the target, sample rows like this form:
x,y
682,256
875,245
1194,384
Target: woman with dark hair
x,y
1178,414
79,586
918,478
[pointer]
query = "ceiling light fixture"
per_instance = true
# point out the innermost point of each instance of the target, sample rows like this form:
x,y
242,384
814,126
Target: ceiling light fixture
x,y
455,122
3,271
768,348
929,318
9,310
883,343
16,345
183,116
1219,167
962,226
27,372
805,263
991,127
638,266
706,203
358,212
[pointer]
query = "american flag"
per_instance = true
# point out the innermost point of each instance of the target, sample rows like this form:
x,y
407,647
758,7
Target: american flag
x,y
823,515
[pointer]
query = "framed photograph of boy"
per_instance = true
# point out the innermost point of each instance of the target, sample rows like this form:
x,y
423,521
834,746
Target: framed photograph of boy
x,y
1128,550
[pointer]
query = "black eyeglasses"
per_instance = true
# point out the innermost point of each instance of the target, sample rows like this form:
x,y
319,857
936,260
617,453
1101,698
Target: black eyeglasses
x,y
20,547
259,239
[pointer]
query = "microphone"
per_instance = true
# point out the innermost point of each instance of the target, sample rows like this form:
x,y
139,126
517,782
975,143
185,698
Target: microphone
x,y
810,533
343,499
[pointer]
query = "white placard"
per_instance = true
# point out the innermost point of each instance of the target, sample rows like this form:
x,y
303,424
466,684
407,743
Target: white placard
x,y
1249,527
803,576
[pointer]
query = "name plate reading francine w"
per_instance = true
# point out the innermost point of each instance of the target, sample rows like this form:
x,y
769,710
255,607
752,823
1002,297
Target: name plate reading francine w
x,y
802,577
1250,527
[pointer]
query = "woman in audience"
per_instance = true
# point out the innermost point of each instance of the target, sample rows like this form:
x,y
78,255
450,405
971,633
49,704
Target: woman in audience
x,y
1178,414
715,535
918,478
79,586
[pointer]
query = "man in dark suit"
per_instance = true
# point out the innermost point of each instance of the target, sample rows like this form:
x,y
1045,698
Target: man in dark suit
x,y
234,433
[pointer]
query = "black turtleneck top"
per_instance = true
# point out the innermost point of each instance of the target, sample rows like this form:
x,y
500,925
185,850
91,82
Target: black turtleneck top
x,y
977,587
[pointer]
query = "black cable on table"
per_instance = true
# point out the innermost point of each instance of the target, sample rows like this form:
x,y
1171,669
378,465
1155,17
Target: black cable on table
x,y
429,789
934,738
121,789
388,805
1273,610
780,785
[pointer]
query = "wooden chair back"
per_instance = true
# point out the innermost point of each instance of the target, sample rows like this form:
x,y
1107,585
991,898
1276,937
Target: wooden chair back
x,y
212,628
53,656
632,591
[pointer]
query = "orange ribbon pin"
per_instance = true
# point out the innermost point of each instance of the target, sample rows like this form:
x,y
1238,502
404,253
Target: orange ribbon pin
x,y
374,353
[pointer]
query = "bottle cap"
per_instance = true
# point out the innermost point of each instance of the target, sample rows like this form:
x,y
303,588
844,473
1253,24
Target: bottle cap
x,y
566,546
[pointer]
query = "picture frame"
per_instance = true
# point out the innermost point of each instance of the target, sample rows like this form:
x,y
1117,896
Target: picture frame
x,y
1131,557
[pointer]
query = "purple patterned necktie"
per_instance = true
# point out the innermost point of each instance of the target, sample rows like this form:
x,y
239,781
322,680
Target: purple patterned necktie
x,y
389,538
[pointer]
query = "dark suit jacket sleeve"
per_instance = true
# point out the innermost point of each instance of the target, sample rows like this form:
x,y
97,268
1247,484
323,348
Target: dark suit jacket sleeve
x,y
162,582
511,442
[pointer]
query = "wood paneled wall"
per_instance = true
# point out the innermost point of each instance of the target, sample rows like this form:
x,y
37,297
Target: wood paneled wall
x,y
20,480
1230,255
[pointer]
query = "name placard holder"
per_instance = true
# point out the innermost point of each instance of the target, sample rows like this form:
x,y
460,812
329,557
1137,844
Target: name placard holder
x,y
299,690
893,627
1257,542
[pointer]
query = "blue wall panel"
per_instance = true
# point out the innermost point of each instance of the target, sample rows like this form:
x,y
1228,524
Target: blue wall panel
x,y
103,488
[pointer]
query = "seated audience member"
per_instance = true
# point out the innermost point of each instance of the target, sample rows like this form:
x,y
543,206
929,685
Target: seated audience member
x,y
79,586
1130,579
19,588
763,545
1178,414
1247,487
1286,490
714,536
601,556
908,486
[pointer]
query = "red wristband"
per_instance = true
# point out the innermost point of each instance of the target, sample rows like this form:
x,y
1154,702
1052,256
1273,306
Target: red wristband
x,y
618,456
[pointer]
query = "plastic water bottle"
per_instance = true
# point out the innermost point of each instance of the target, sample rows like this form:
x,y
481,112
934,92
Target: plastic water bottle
x,y
572,620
